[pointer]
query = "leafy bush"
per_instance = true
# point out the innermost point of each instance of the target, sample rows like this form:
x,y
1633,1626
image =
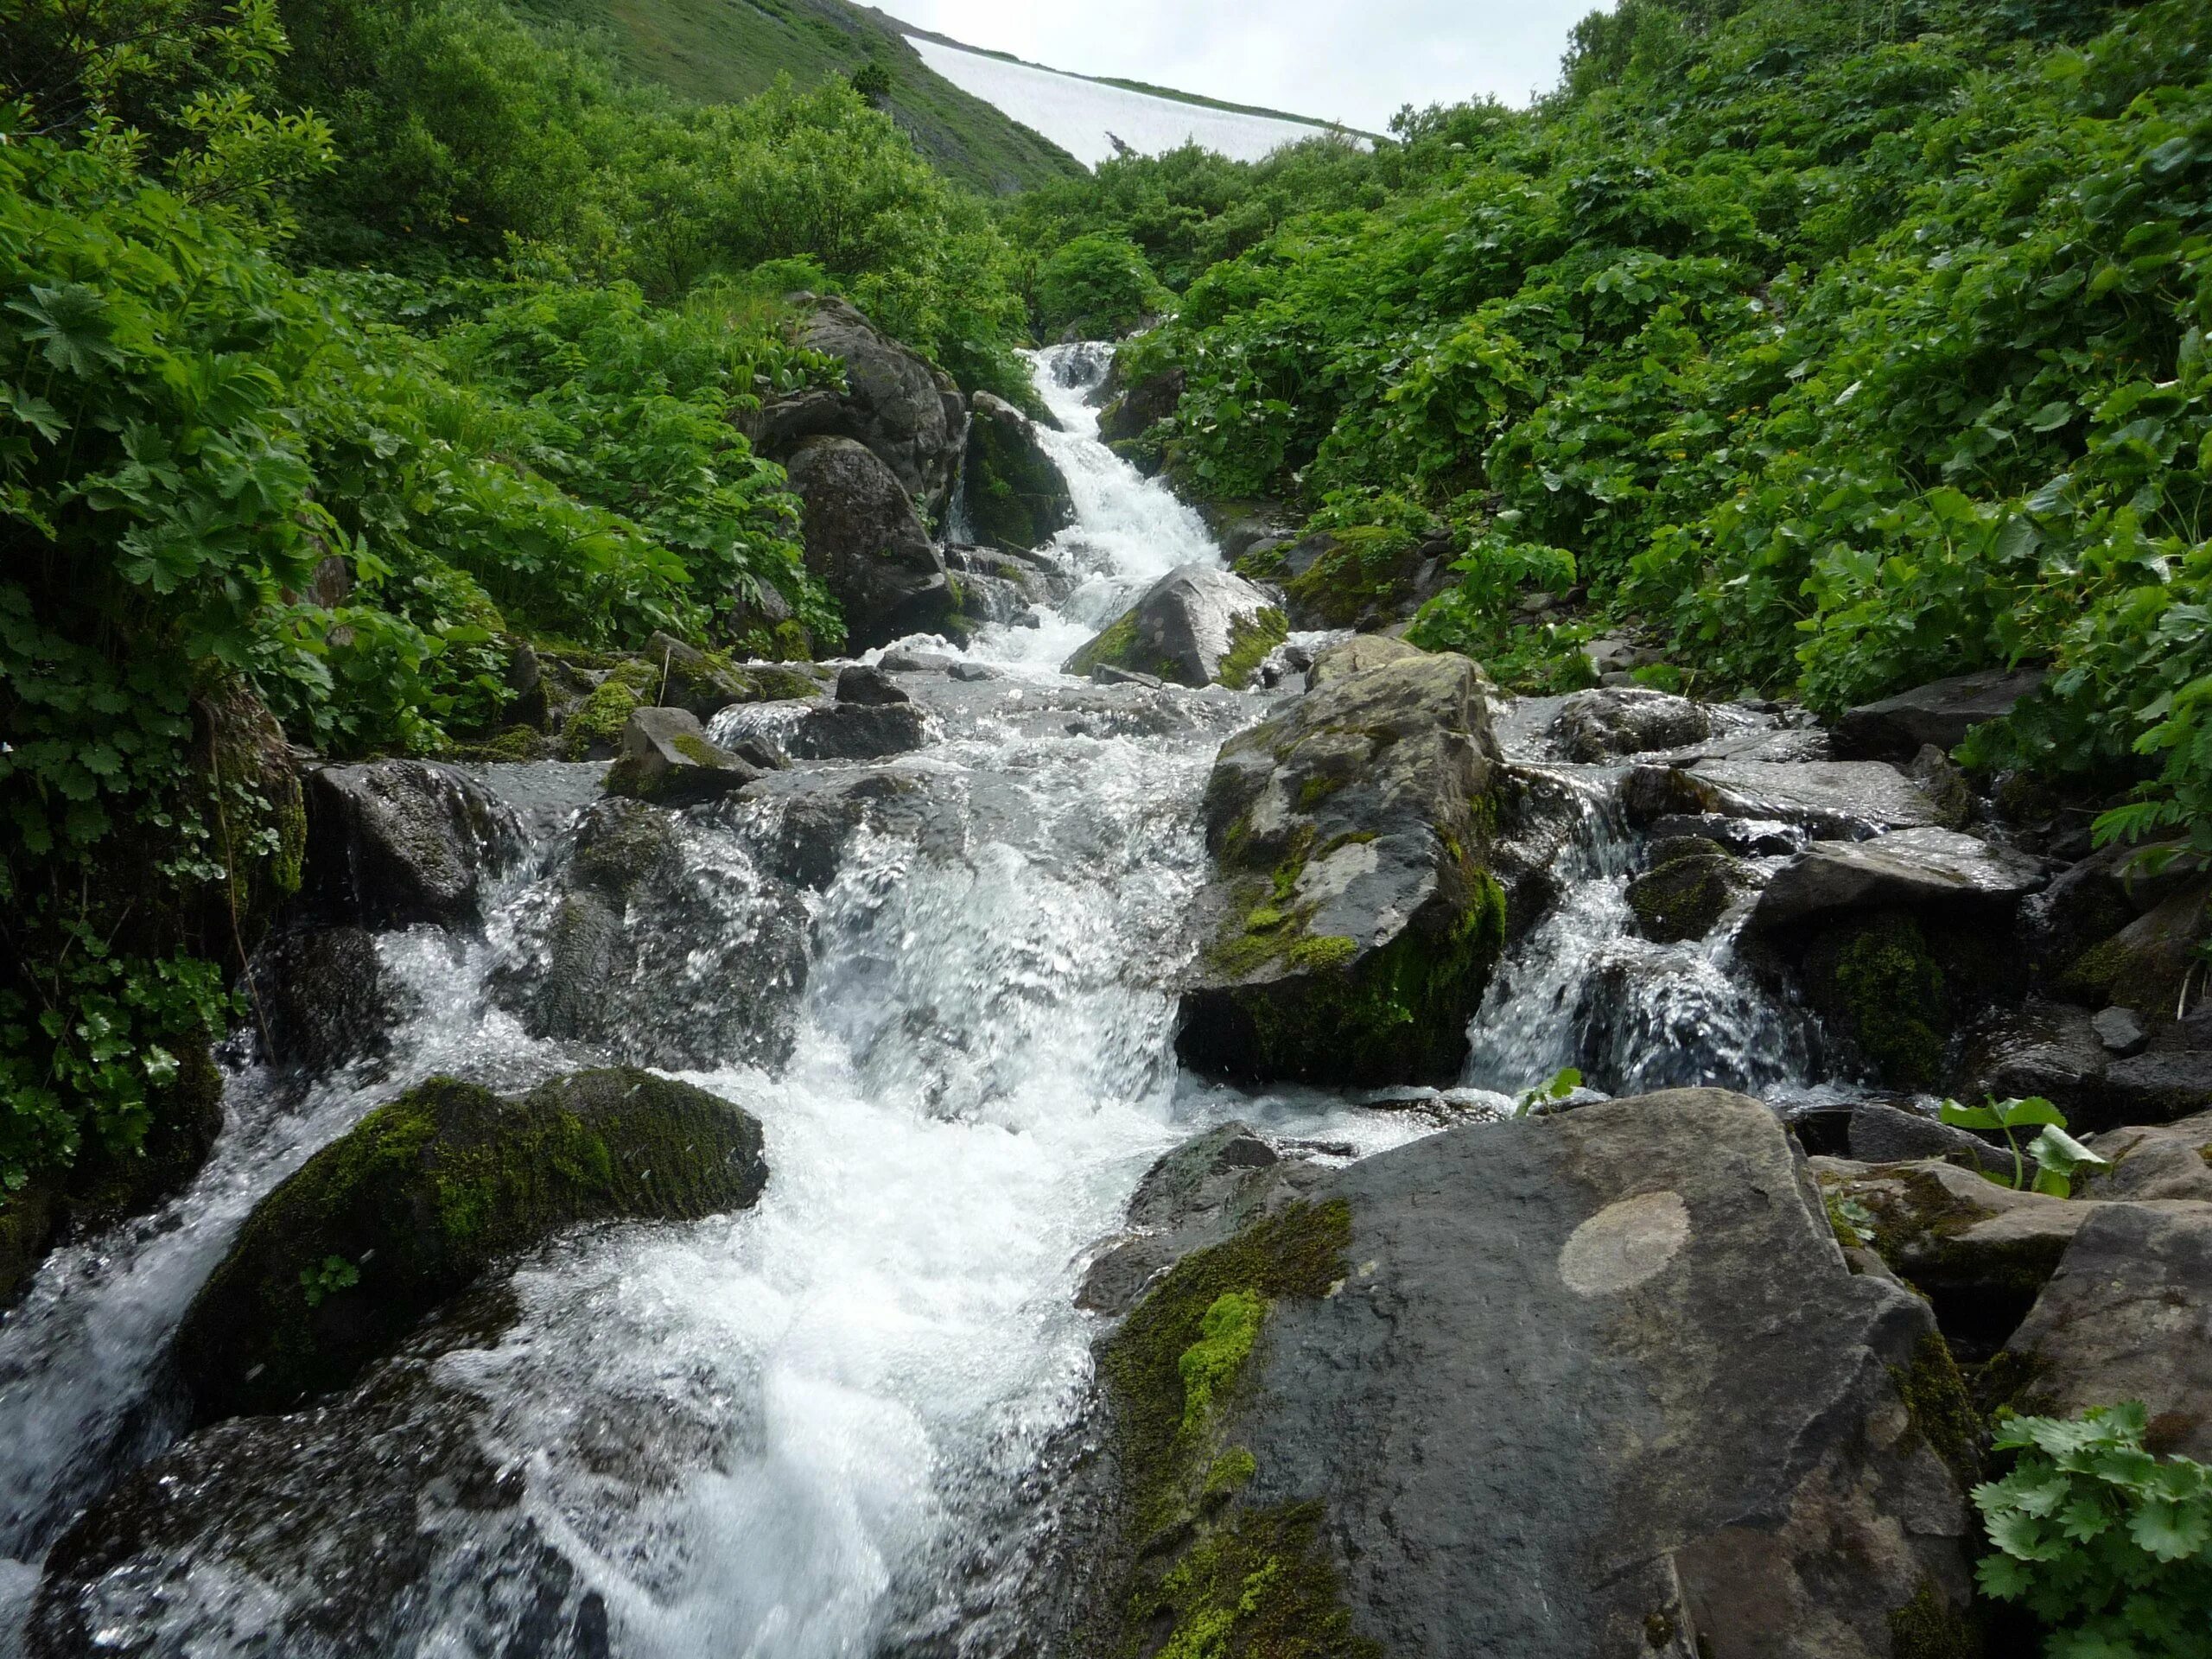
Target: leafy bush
x,y
1099,286
2109,1547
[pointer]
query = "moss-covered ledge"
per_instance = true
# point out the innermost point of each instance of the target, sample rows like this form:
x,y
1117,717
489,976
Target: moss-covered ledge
x,y
1204,1571
337,1264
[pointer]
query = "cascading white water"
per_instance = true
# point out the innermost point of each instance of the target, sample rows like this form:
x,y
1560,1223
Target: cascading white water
x,y
810,1429
866,1365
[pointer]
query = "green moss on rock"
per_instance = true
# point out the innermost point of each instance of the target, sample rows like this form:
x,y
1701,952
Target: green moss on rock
x,y
425,1194
595,728
1930,1627
1251,640
1942,1411
1878,978
1209,1575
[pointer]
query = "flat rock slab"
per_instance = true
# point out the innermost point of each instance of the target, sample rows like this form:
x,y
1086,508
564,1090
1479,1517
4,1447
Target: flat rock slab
x,y
2168,1160
1832,800
1603,1384
1906,869
1939,714
2128,1316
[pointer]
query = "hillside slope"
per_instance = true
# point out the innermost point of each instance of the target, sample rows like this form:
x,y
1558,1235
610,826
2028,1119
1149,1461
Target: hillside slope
x,y
721,50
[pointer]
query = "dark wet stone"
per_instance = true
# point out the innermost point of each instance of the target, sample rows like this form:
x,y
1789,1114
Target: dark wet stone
x,y
321,996
1939,714
391,842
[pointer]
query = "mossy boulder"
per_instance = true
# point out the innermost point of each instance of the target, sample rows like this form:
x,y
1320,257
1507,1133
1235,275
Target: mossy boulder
x,y
1351,924
1691,885
666,757
1364,1423
1017,499
1364,576
335,1266
1197,626
2142,967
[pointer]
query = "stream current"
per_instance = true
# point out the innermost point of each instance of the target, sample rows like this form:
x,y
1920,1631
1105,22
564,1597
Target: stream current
x,y
816,1428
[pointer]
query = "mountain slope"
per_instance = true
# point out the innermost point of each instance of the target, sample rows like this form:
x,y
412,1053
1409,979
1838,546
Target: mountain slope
x,y
723,50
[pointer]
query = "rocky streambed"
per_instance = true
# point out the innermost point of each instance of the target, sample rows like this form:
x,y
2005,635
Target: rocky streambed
x,y
1013,1145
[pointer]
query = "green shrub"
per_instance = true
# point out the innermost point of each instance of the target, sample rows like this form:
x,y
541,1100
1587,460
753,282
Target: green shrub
x,y
1097,286
2109,1547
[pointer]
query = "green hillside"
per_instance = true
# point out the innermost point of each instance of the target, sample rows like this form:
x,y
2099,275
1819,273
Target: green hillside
x,y
719,51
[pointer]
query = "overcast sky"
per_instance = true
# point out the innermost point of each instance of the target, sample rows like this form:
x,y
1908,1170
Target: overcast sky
x,y
1351,60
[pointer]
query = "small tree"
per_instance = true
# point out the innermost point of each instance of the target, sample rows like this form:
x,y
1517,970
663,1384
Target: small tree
x,y
874,80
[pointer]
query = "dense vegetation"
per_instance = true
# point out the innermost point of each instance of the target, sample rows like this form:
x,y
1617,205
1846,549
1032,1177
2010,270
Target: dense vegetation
x,y
345,349
1843,343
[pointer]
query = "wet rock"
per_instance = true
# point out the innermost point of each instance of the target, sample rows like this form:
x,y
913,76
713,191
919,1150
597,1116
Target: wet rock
x,y
2121,1031
1365,577
1938,714
321,995
1356,655
1194,1197
392,843
1593,726
1881,1134
1197,626
2166,1160
908,414
1691,885
2159,1086
684,676
667,759
360,1527
1134,409
1746,837
1835,800
1016,497
658,956
334,1267
2145,965
2084,905
1912,868
857,731
869,687
1944,785
1980,1251
2125,1318
868,545
1539,814
1107,674
1484,1296
1351,924
2042,1048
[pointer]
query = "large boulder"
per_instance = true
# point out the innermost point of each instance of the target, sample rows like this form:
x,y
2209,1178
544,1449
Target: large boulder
x,y
1367,576
1600,1383
336,1265
910,415
2126,1318
1351,925
392,843
666,757
857,731
1939,715
867,543
1197,626
1016,497
1133,408
1912,868
1831,800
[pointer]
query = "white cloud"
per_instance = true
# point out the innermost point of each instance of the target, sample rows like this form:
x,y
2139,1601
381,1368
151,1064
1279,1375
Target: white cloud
x,y
1354,63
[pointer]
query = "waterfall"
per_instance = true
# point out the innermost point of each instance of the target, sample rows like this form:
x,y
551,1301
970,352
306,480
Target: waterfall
x,y
813,1429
